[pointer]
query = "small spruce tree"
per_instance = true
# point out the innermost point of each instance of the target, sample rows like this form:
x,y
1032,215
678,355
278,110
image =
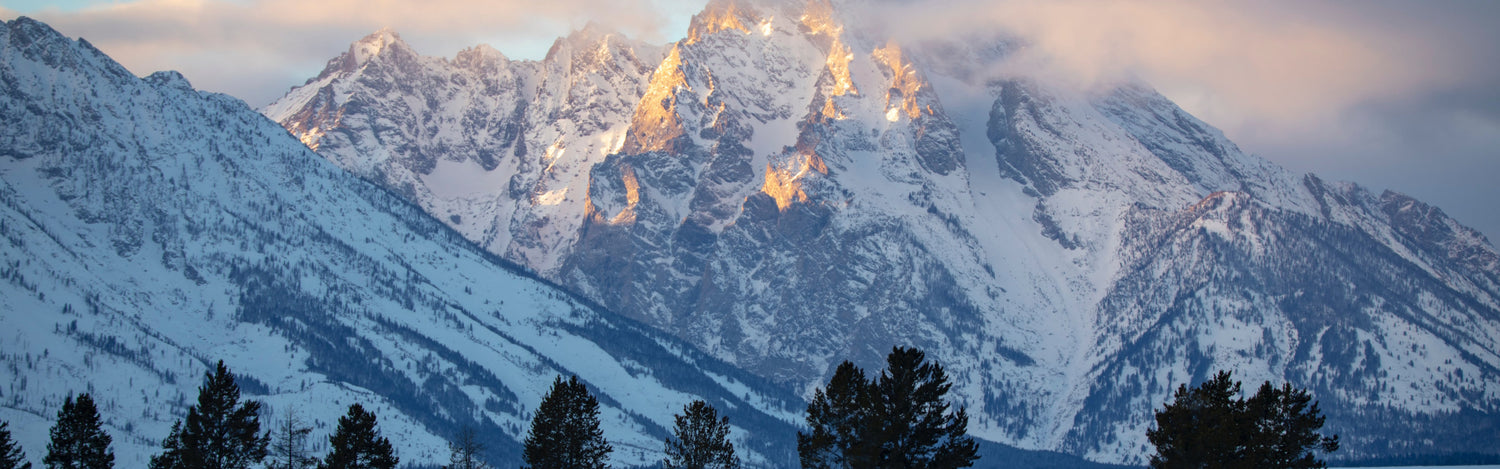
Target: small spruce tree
x,y
1285,429
565,431
700,440
11,456
357,444
836,418
78,438
171,450
218,433
911,418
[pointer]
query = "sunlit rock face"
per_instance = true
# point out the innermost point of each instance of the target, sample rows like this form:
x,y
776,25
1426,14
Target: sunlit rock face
x,y
655,126
787,188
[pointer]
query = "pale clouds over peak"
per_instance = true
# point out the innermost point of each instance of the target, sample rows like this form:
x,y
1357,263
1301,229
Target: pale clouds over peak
x,y
1391,94
1264,61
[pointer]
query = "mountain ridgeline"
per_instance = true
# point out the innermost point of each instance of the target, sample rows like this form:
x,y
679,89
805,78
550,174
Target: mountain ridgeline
x,y
149,229
785,188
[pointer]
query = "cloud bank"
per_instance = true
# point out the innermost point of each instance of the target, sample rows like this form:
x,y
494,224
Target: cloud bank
x,y
1391,94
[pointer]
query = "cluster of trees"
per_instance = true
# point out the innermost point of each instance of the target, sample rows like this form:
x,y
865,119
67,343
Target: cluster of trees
x,y
899,419
1210,425
896,420
220,432
565,434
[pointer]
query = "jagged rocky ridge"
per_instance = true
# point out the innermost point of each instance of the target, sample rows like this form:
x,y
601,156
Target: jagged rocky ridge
x,y
149,229
786,190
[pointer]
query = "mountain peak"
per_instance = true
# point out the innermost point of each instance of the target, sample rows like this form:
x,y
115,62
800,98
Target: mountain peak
x,y
479,55
169,79
372,45
722,15
592,34
364,51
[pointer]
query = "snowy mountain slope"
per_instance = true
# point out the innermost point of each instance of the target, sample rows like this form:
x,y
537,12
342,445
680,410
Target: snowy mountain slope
x,y
791,189
150,229
1273,276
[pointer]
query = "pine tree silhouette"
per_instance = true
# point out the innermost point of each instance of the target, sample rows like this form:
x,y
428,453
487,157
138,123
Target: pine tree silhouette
x,y
357,444
1211,426
700,440
218,433
565,431
898,420
171,454
78,438
837,420
911,417
11,456
1286,424
1202,427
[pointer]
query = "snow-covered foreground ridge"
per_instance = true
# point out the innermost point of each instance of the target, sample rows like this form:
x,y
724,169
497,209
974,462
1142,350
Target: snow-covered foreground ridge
x,y
786,188
148,229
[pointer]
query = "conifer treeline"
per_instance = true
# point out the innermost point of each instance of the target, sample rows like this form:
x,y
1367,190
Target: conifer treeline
x,y
1211,426
898,419
220,432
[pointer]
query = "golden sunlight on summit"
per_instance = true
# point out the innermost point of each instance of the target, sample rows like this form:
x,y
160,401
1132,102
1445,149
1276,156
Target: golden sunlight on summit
x,y
655,123
719,16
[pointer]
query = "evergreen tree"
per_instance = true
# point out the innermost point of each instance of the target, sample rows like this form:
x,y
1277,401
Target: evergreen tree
x,y
288,449
171,454
898,420
1202,427
357,444
11,456
565,431
78,438
911,420
1211,426
837,419
701,440
466,451
219,432
1286,428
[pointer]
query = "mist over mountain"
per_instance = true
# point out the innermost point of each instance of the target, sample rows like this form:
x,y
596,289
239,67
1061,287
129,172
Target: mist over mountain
x,y
786,190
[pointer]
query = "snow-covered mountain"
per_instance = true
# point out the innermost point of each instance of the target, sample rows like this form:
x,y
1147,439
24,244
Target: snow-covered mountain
x,y
787,188
149,229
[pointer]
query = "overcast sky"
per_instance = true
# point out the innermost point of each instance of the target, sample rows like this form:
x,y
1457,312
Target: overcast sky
x,y
1401,95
